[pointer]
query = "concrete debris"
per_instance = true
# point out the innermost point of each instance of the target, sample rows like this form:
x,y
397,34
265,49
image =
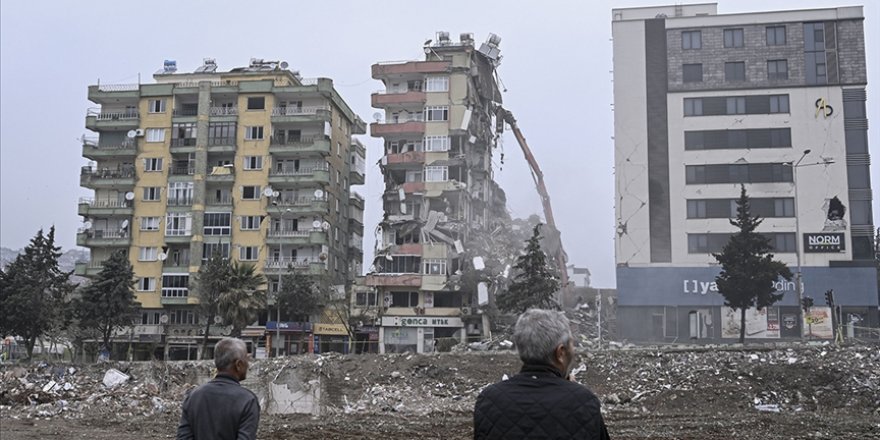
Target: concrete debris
x,y
114,377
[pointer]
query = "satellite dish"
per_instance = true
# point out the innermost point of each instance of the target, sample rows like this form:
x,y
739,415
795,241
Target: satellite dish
x,y
163,319
163,256
275,193
268,192
322,256
218,319
132,134
319,193
284,65
129,196
377,116
316,224
124,224
87,225
325,225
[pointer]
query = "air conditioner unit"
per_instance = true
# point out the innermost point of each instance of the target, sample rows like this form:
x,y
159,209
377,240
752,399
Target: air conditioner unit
x,y
139,132
465,311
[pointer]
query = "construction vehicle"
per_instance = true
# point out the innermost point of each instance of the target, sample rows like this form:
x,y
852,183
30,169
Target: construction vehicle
x,y
552,236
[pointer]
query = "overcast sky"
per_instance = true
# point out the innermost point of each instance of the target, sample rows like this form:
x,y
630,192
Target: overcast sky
x,y
556,67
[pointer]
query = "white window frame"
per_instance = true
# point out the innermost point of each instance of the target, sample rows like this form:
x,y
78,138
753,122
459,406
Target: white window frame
x,y
249,222
434,266
146,284
436,143
147,253
181,218
257,194
437,84
152,164
156,106
152,193
155,135
180,191
149,223
436,173
253,162
437,113
218,230
253,133
249,253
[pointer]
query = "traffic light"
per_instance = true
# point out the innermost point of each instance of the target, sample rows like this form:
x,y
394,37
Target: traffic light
x,y
806,303
829,298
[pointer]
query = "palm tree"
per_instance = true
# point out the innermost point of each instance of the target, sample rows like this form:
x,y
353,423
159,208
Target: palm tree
x,y
243,298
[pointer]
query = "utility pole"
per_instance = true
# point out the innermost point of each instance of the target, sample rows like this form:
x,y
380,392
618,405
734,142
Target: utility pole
x,y
599,315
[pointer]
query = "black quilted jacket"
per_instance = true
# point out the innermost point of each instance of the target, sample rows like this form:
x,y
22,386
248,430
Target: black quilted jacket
x,y
538,403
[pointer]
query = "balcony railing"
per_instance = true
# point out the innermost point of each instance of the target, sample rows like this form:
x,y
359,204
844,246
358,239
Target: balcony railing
x,y
110,203
224,111
301,171
92,142
186,112
118,87
108,173
105,233
183,142
175,292
283,140
113,116
285,262
180,262
300,201
180,201
289,233
222,200
295,111
183,170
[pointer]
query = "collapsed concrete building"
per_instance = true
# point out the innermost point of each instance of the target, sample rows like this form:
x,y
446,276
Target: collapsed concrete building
x,y
441,204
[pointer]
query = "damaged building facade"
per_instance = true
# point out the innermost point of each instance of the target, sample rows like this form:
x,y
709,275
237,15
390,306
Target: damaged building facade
x,y
255,163
437,125
706,102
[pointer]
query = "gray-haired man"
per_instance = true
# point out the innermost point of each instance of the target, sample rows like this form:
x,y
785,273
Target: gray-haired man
x,y
540,401
222,409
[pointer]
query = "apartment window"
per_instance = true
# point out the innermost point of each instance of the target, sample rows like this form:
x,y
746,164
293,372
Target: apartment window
x,y
737,173
733,38
779,104
714,242
152,194
148,254
155,135
156,106
775,35
401,264
249,253
221,133
175,285
437,84
218,223
405,299
183,134
777,69
250,222
436,143
693,106
691,40
436,174
178,224
692,72
253,133
180,193
250,192
434,266
146,284
437,113
153,164
413,176
736,105
735,71
814,53
726,208
149,223
253,162
256,103
211,249
339,149
365,299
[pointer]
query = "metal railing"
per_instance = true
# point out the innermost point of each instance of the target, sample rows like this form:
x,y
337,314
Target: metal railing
x,y
108,173
109,203
296,141
300,201
105,233
222,200
183,170
118,87
185,112
285,262
183,262
397,91
301,171
180,201
289,233
224,111
112,115
183,142
293,111
309,81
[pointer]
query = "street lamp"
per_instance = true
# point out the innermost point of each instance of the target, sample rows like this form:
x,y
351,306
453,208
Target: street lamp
x,y
799,283
280,273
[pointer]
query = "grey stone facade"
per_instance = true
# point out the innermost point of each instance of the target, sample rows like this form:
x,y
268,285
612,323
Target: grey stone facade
x,y
851,52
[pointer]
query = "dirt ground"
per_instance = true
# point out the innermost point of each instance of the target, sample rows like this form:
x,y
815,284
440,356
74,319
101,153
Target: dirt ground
x,y
799,392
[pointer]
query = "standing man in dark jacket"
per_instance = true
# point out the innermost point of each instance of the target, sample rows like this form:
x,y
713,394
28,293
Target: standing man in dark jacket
x,y
541,402
222,409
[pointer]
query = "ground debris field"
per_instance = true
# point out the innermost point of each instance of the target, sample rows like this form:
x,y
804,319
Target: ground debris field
x,y
757,392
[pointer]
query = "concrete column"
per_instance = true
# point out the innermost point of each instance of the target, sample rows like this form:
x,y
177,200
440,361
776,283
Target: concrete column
x,y
420,340
201,165
381,340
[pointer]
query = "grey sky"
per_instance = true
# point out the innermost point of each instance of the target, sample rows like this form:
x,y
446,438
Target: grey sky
x,y
556,67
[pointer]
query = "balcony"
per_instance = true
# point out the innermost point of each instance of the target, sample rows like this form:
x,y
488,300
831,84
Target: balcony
x,y
107,177
224,174
410,157
412,128
317,174
380,70
303,145
180,201
96,119
89,207
222,200
221,144
114,92
358,170
178,236
102,238
219,112
182,170
183,145
304,205
292,115
175,265
92,149
87,268
394,280
357,200
398,99
174,295
296,238
301,265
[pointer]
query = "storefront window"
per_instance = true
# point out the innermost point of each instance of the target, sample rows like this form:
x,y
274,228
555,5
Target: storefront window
x,y
400,339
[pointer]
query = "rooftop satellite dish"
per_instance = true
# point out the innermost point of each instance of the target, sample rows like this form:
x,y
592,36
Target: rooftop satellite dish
x,y
87,225
284,65
377,116
268,192
163,319
163,256
319,193
129,196
124,224
316,224
132,134
325,225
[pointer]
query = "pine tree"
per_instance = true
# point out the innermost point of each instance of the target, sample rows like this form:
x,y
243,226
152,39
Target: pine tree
x,y
108,304
535,283
33,291
748,270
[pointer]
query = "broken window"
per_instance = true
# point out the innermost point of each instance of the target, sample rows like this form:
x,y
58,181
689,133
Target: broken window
x,y
435,266
404,299
399,264
437,113
447,299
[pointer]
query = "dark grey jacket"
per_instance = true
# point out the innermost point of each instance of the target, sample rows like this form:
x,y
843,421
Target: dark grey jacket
x,y
219,410
538,403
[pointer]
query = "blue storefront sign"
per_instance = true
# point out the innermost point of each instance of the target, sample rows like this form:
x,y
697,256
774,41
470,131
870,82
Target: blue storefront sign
x,y
286,326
